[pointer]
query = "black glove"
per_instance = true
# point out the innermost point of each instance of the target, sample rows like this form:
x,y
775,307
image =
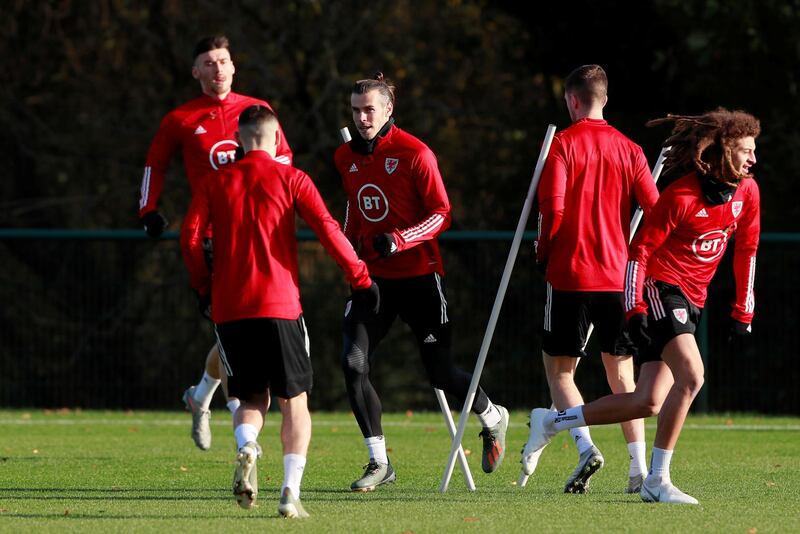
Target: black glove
x,y
637,329
738,331
368,299
154,223
384,245
204,305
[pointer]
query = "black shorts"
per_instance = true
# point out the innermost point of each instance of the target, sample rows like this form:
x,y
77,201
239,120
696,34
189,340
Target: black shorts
x,y
265,353
420,301
669,314
568,314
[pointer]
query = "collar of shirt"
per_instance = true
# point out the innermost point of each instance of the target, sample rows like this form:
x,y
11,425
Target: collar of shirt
x,y
595,122
362,146
259,154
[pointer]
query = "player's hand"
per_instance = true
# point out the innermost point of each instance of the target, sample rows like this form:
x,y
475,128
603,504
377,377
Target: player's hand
x,y
384,245
204,305
637,329
154,223
738,331
368,299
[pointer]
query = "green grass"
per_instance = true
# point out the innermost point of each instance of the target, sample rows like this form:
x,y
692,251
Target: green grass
x,y
112,471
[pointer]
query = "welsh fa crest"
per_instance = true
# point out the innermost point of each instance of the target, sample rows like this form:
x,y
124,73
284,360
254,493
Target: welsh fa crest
x,y
390,165
736,208
680,314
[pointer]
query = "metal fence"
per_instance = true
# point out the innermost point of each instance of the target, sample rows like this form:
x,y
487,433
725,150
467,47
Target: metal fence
x,y
105,319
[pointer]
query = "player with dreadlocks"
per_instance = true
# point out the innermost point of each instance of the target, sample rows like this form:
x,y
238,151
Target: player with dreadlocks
x,y
671,263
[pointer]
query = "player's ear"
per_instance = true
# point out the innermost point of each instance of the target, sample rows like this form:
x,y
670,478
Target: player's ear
x,y
277,137
195,73
389,109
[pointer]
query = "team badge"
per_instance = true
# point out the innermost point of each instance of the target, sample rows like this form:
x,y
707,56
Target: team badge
x,y
680,314
736,208
391,165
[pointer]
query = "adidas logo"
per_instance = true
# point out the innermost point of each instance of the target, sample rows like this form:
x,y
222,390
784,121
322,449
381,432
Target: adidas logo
x,y
701,213
200,130
353,168
429,339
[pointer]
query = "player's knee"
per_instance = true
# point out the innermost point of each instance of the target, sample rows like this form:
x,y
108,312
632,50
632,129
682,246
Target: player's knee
x,y
646,404
355,360
690,382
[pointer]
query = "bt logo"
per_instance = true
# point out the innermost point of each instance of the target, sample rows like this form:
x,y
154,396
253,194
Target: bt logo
x,y
372,203
222,153
710,245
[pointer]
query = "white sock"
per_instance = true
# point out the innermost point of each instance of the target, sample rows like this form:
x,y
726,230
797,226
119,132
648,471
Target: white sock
x,y
233,404
637,451
293,467
490,417
377,449
659,464
205,390
244,433
582,438
565,419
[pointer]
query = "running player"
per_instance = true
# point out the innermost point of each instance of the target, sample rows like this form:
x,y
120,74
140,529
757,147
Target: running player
x,y
588,184
203,130
255,294
397,206
672,261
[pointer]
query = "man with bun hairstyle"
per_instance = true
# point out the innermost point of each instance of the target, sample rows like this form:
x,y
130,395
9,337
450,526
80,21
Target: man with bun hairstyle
x,y
589,183
261,334
672,261
397,207
203,131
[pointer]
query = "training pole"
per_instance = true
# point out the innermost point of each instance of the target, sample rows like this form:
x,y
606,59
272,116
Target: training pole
x,y
498,303
637,218
344,133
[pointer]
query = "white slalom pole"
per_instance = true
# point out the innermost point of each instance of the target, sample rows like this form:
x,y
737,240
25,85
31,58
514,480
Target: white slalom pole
x,y
344,133
451,428
498,303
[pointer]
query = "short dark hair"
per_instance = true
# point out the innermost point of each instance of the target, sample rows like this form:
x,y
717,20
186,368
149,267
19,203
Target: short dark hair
x,y
210,43
377,83
254,116
588,82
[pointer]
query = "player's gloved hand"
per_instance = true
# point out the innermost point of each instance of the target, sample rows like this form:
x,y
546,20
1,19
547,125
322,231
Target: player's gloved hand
x,y
384,245
204,305
637,329
368,299
154,223
738,331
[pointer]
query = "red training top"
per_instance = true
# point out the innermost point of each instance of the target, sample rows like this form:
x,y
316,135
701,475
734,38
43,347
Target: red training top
x,y
252,207
684,239
203,129
585,196
396,190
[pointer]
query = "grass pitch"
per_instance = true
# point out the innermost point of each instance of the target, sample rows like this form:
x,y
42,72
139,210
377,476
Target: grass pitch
x,y
72,471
